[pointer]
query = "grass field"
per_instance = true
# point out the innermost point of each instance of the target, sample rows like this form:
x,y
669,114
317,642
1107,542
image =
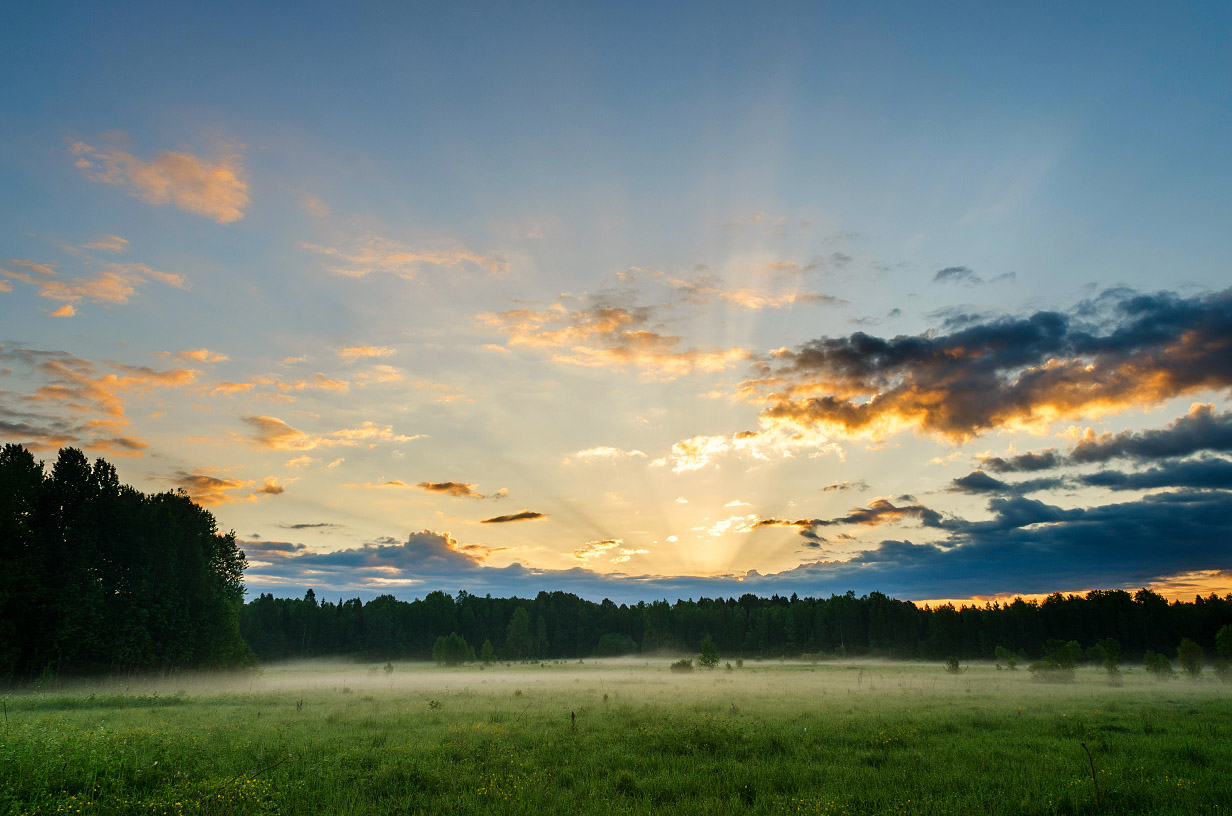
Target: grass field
x,y
769,737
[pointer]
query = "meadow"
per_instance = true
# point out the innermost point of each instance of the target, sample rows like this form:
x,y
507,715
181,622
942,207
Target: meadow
x,y
621,736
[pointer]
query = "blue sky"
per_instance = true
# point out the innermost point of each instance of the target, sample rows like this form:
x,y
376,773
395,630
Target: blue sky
x,y
701,299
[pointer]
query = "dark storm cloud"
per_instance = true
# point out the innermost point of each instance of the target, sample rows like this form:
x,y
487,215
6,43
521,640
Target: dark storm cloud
x,y
525,515
1205,473
1199,430
1131,351
1024,462
980,482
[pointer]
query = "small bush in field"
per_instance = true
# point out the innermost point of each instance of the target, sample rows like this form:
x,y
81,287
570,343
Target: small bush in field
x,y
682,666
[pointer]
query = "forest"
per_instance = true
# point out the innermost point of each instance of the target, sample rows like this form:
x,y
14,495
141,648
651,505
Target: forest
x,y
100,578
558,625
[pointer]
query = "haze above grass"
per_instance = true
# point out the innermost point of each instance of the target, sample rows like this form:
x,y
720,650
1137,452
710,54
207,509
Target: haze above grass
x,y
770,737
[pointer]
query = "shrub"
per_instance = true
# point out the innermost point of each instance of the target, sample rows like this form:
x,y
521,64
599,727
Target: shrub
x,y
1190,656
1157,665
709,658
1007,657
951,665
682,666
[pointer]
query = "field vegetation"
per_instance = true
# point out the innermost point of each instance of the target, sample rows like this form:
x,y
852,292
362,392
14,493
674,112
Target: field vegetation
x,y
624,736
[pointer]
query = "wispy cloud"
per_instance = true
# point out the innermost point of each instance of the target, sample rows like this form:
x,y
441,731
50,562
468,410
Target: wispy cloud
x,y
108,243
216,190
381,255
609,336
352,353
275,434
114,285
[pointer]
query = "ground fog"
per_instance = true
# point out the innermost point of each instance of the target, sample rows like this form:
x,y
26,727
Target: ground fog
x,y
623,736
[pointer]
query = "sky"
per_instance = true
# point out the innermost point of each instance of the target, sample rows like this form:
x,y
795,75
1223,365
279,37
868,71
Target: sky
x,y
636,301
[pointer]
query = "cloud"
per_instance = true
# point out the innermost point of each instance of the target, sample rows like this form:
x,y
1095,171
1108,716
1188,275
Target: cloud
x,y
301,461
1202,474
115,285
216,190
1200,430
860,485
66,310
608,336
456,489
270,487
877,513
273,433
396,483
210,491
1025,547
957,274
202,355
608,452
380,255
1024,462
978,482
774,441
704,288
315,525
108,243
525,515
352,353
76,401
1009,373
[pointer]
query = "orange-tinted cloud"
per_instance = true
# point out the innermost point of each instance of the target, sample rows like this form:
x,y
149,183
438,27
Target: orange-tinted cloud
x,y
380,255
608,336
77,401
1011,373
216,190
114,285
210,491
352,353
273,433
202,355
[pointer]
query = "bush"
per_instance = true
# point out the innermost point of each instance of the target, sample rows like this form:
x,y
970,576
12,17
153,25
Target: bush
x,y
1157,665
1007,657
682,666
951,665
709,658
1190,656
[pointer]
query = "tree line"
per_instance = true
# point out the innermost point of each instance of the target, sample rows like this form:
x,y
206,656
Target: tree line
x,y
99,577
557,625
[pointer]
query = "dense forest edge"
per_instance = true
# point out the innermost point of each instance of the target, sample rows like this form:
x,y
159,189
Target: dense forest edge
x,y
101,579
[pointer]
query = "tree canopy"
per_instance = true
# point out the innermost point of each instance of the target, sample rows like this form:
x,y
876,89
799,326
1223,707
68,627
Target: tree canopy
x,y
101,578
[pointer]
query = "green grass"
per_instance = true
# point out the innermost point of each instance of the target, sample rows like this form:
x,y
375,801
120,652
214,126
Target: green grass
x,y
769,738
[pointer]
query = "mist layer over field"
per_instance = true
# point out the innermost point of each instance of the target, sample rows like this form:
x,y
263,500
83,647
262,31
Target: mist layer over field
x,y
627,736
